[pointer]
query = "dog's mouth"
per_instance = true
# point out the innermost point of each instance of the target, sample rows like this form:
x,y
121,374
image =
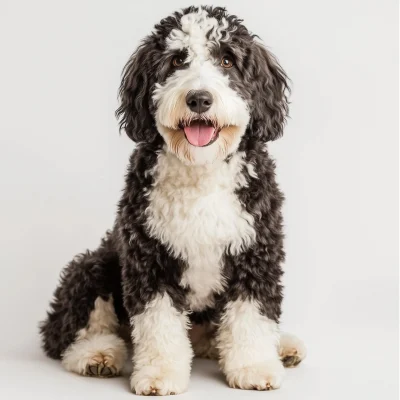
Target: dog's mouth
x,y
200,132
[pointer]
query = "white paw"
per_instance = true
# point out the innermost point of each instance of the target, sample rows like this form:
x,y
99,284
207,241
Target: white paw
x,y
98,355
151,380
291,350
265,376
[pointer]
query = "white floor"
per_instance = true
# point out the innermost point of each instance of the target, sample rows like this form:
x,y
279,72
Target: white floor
x,y
62,164
353,365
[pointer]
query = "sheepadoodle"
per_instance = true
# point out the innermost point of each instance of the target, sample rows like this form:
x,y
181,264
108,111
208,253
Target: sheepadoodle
x,y
193,264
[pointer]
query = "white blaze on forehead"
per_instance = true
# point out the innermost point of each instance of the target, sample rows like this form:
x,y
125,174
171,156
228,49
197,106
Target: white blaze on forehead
x,y
193,35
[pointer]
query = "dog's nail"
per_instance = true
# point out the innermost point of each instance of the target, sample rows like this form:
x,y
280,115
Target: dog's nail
x,y
92,370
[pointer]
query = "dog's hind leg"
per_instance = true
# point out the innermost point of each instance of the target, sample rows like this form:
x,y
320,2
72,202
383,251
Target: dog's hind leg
x,y
97,349
291,350
82,326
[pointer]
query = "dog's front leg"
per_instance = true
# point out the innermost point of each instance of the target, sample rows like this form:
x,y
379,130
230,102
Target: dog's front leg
x,y
248,343
248,334
162,353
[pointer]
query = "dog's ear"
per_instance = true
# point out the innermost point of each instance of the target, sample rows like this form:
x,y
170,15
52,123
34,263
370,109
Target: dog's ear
x,y
138,79
270,103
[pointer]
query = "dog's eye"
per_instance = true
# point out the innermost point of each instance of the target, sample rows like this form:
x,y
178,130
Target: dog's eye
x,y
226,62
177,61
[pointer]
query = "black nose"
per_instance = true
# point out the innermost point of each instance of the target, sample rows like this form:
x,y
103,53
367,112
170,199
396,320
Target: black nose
x,y
199,101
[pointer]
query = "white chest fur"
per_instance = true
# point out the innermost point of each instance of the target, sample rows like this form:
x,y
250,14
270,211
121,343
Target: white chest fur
x,y
194,211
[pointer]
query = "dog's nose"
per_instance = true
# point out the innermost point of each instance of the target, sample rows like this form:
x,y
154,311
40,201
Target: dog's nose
x,y
199,101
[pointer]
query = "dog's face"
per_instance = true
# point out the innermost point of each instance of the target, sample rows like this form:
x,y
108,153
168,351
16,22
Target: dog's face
x,y
202,82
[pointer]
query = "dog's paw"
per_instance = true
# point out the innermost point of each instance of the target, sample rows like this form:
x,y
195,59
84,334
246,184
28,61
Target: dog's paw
x,y
265,376
291,350
100,355
158,382
102,365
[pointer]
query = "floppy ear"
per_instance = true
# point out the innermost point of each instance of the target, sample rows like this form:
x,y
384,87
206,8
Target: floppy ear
x,y
138,79
270,103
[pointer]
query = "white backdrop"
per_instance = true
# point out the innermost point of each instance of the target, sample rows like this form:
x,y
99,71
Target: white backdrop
x,y
62,166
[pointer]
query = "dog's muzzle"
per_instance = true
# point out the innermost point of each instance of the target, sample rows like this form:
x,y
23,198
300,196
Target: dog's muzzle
x,y
200,131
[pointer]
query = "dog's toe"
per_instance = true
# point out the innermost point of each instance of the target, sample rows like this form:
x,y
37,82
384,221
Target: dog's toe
x,y
166,383
291,361
101,367
266,376
292,350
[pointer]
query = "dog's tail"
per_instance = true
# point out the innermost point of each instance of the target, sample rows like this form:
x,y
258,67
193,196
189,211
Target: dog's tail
x,y
89,275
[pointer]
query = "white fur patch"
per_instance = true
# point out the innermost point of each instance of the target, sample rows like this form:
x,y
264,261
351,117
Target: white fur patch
x,y
193,34
98,342
162,352
193,210
248,347
102,319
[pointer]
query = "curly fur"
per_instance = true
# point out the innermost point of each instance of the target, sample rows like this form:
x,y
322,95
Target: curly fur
x,y
198,236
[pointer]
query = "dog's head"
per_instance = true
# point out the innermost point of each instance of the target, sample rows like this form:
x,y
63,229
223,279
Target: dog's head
x,y
202,82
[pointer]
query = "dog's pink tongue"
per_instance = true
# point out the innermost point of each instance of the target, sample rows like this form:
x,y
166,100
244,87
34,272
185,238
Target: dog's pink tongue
x,y
199,134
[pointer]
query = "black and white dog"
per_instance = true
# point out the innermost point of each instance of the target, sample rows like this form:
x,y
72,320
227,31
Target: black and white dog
x,y
193,263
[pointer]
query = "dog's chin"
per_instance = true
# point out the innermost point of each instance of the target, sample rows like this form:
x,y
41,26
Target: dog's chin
x,y
200,143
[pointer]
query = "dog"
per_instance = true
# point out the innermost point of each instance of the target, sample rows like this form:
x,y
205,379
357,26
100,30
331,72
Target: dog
x,y
193,264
